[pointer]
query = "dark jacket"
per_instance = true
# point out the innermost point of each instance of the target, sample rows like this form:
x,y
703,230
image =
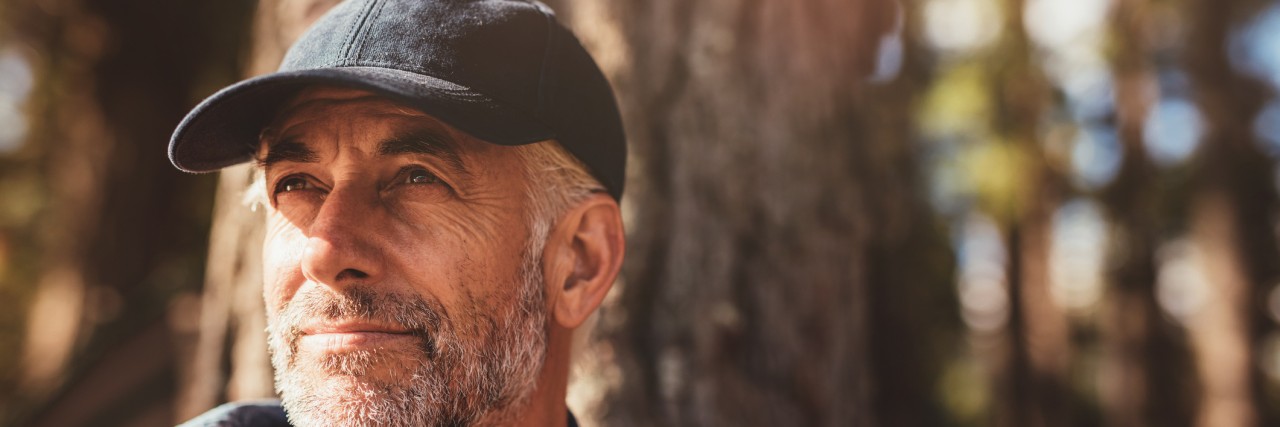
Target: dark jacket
x,y
262,413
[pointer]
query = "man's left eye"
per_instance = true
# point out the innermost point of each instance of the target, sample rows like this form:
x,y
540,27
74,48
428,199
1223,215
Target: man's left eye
x,y
420,176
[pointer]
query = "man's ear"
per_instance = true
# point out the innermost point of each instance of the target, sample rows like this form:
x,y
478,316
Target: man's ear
x,y
582,258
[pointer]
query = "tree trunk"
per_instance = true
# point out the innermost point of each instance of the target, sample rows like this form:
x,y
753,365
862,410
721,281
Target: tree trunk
x,y
745,290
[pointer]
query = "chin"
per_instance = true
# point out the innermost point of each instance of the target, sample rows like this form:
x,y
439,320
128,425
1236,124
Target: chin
x,y
357,390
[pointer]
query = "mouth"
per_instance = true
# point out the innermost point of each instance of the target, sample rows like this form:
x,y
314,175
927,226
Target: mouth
x,y
346,336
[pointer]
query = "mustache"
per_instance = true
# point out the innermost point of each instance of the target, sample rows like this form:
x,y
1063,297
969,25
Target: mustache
x,y
421,317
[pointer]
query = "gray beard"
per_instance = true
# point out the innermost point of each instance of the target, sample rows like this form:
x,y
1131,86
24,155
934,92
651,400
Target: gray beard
x,y
448,379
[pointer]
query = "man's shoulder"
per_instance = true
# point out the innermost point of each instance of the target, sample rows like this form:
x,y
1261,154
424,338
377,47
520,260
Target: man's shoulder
x,y
260,413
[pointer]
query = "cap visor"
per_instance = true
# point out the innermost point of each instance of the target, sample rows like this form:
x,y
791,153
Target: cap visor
x,y
223,130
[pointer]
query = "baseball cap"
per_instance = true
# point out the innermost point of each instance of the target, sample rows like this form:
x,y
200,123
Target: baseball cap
x,y
504,71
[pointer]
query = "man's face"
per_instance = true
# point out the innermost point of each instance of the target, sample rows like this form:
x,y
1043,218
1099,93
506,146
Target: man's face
x,y
402,285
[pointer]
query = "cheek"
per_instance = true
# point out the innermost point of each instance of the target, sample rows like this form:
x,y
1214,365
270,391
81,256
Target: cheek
x,y
463,259
282,251
424,257
443,236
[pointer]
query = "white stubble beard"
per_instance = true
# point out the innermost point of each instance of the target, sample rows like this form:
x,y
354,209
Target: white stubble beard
x,y
447,383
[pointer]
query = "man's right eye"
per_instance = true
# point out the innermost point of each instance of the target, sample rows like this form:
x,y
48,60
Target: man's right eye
x,y
292,183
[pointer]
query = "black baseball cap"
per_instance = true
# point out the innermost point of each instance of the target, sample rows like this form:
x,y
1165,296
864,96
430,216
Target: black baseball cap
x,y
504,71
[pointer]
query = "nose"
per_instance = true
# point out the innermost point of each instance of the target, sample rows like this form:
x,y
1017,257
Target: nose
x,y
340,249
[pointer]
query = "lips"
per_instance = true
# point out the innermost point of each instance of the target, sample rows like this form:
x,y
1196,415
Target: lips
x,y
345,336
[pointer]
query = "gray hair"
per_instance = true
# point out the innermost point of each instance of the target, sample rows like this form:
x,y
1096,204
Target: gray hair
x,y
557,181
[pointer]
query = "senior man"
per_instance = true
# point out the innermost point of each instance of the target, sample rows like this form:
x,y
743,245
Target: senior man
x,y
441,181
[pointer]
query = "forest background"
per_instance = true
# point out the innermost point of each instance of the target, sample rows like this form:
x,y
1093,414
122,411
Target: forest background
x,y
840,212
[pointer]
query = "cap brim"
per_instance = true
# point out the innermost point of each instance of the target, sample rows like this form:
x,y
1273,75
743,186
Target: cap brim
x,y
224,129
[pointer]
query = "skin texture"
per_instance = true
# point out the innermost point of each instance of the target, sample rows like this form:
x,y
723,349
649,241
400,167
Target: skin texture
x,y
403,282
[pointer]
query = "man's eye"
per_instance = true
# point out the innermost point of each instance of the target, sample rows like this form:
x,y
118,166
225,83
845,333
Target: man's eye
x,y
292,183
420,176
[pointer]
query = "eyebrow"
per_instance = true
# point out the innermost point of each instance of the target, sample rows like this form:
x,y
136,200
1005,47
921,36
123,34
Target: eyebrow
x,y
425,142
288,151
421,141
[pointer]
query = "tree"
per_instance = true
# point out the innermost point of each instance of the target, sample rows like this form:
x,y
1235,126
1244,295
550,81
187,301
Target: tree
x,y
761,184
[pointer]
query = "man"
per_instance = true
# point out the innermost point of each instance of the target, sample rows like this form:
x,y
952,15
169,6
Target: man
x,y
441,180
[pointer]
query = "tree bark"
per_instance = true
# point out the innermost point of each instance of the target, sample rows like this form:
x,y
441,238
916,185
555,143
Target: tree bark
x,y
745,290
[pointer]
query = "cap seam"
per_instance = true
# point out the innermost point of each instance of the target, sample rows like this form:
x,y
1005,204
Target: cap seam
x,y
353,33
364,31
